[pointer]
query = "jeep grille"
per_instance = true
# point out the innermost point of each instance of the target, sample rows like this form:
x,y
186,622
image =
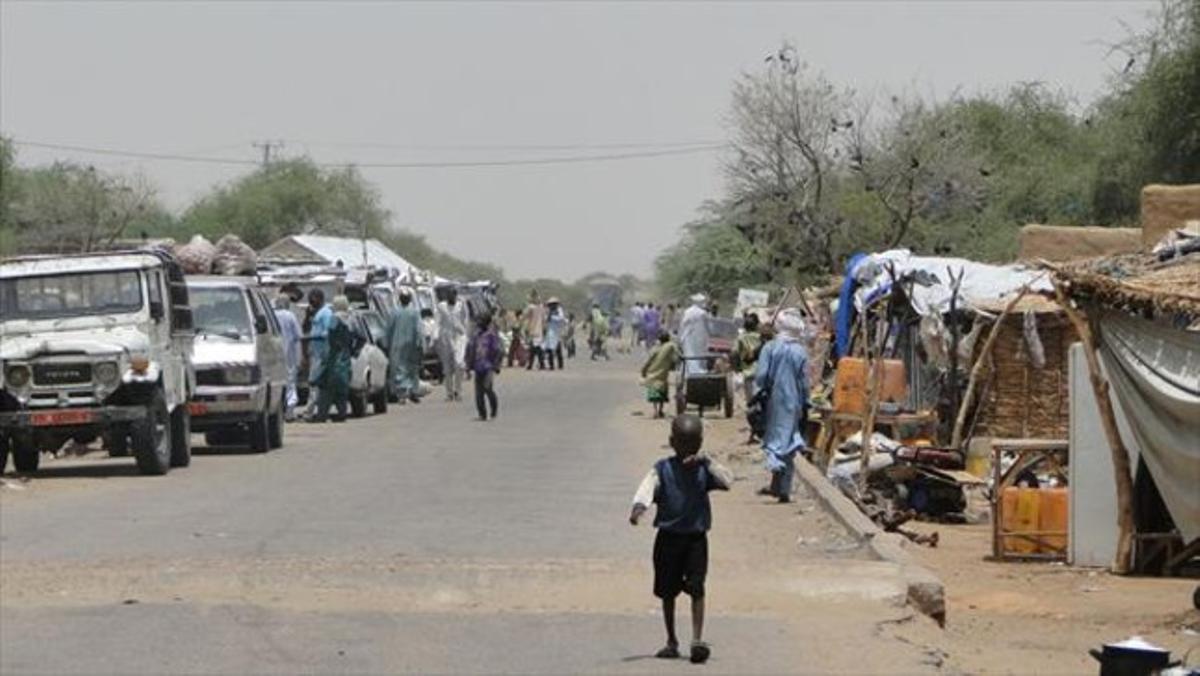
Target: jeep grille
x,y
62,374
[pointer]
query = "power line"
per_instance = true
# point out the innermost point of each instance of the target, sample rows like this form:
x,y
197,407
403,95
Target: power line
x,y
505,146
511,162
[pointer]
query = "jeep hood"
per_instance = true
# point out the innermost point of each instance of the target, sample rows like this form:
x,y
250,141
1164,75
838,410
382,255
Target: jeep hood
x,y
92,342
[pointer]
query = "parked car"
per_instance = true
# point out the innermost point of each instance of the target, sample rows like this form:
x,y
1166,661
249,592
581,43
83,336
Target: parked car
x,y
241,372
96,345
369,368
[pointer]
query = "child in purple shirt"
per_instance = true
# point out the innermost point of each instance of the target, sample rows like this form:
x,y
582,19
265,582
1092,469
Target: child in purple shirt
x,y
483,358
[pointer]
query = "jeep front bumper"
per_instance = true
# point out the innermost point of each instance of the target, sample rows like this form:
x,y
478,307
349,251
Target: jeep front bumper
x,y
71,417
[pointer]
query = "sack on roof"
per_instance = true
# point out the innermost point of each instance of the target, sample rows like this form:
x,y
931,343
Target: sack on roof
x,y
234,257
196,257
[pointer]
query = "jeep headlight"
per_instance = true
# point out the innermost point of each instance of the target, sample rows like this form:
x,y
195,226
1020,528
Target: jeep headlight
x,y
106,373
241,375
17,375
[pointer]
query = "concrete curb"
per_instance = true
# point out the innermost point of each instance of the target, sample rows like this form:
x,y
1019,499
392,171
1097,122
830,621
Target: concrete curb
x,y
925,591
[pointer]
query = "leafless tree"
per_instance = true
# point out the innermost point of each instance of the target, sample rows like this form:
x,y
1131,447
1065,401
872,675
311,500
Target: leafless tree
x,y
787,124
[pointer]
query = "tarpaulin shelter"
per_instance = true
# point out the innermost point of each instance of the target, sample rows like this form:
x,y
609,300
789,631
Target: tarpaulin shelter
x,y
1146,317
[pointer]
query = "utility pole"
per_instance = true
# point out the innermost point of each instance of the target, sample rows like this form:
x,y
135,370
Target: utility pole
x,y
266,147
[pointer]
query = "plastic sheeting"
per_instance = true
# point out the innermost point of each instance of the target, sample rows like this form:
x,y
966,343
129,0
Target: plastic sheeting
x,y
1154,373
981,281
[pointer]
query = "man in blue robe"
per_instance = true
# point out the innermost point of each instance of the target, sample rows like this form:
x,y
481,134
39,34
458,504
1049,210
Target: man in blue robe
x,y
405,349
781,372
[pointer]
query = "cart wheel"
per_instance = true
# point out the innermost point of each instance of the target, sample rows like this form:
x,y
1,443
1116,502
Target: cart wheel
x,y
680,402
728,396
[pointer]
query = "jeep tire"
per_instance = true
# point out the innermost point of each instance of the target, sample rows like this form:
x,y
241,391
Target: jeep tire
x,y
275,425
181,436
151,437
116,442
260,433
25,455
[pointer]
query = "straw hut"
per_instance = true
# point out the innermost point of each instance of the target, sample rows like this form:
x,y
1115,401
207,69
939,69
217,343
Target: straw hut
x,y
1022,398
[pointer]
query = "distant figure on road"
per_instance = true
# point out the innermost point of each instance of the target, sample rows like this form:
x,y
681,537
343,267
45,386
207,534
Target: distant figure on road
x,y
657,371
637,314
782,377
535,328
289,330
483,358
569,336
693,334
334,375
679,485
405,349
598,333
556,326
651,326
320,321
452,343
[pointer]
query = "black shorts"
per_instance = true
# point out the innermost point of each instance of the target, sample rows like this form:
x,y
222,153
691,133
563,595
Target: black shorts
x,y
680,564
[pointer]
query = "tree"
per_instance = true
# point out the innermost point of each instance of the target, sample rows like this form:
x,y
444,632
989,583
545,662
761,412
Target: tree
x,y
712,257
785,138
290,197
69,207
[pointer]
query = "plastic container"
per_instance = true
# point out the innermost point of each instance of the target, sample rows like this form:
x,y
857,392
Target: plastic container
x,y
1020,508
1053,516
850,384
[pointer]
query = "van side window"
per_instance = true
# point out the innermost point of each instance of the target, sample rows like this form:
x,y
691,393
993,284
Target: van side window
x,y
272,318
154,289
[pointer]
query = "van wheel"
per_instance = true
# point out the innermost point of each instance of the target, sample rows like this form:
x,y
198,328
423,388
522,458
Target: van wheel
x,y
151,438
358,404
3,453
181,436
380,401
275,426
260,433
25,455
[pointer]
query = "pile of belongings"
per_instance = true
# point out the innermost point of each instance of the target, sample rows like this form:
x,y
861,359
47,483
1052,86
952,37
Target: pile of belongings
x,y
904,483
229,256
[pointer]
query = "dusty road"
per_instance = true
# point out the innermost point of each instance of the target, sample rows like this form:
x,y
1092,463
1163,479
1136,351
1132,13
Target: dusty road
x,y
421,541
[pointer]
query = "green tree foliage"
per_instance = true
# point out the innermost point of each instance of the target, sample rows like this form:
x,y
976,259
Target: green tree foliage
x,y
289,197
712,257
817,173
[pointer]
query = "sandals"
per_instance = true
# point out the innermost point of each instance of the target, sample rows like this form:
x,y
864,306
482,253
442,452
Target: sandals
x,y
700,652
669,652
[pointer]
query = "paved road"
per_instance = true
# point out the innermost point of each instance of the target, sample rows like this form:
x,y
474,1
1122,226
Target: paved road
x,y
417,541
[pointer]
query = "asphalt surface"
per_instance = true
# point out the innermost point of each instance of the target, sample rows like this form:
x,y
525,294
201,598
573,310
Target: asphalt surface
x,y
417,541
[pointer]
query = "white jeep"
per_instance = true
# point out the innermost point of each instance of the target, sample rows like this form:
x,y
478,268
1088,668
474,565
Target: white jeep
x,y
95,345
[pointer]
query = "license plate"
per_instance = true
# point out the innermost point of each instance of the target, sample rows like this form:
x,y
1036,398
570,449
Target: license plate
x,y
196,408
67,417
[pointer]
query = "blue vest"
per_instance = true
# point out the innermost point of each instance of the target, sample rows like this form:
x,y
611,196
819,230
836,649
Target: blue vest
x,y
682,497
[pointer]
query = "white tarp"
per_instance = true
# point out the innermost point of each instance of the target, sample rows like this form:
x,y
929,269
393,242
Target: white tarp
x,y
981,281
748,298
1154,372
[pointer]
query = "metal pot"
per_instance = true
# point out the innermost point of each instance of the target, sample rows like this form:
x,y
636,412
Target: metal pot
x,y
1131,657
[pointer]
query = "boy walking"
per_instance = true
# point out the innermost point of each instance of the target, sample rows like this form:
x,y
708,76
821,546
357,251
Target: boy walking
x,y
657,371
483,358
679,485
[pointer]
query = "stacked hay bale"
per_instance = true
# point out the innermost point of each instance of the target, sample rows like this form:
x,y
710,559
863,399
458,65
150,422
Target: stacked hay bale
x,y
1166,207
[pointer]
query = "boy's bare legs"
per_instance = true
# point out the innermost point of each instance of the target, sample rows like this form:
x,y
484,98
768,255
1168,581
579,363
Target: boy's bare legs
x,y
671,650
700,650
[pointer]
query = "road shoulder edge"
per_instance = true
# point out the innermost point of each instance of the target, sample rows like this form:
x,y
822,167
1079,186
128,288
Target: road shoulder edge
x,y
924,590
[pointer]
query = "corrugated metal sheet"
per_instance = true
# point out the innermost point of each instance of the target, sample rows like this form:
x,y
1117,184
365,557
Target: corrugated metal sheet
x,y
330,250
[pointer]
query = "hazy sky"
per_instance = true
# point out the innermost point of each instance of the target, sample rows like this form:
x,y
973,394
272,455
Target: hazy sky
x,y
381,82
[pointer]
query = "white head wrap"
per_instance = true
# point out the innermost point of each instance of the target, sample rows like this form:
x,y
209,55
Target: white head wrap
x,y
790,324
698,299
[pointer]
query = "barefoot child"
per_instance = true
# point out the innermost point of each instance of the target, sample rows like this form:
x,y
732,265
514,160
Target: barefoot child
x,y
679,485
657,370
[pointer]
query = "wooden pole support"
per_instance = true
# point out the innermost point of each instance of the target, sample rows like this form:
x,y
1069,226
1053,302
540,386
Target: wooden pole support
x,y
1122,472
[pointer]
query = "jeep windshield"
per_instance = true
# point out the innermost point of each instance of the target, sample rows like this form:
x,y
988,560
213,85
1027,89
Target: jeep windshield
x,y
71,295
221,311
